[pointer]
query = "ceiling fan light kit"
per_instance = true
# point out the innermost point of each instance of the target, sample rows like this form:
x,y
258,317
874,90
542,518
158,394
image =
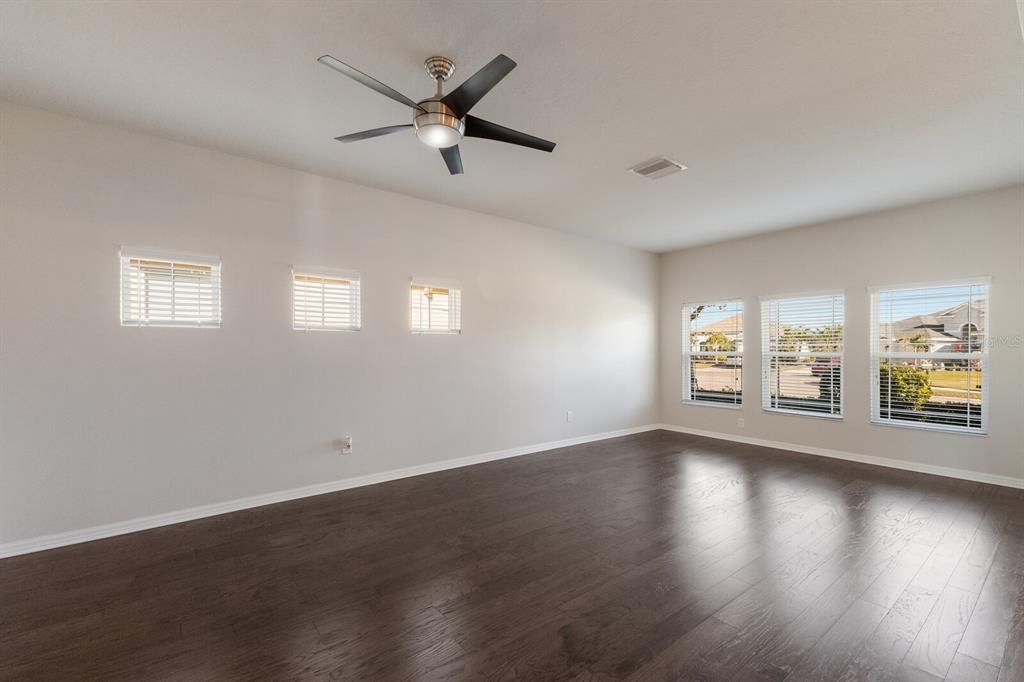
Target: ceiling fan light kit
x,y
443,120
438,126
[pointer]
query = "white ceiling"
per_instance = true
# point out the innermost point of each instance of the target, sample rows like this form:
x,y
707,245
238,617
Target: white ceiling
x,y
786,112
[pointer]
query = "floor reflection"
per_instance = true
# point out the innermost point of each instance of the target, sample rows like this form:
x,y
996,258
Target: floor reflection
x,y
659,555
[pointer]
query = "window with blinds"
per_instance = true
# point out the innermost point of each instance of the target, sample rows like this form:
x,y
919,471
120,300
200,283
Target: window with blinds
x,y
435,309
167,290
802,354
713,353
325,300
929,355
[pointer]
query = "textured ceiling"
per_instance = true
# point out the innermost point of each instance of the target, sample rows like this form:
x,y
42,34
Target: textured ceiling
x,y
785,112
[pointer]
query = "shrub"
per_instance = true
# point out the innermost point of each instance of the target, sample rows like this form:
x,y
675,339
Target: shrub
x,y
909,388
828,386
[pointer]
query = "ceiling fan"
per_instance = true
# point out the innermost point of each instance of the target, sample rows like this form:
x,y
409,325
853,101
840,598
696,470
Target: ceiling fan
x,y
441,121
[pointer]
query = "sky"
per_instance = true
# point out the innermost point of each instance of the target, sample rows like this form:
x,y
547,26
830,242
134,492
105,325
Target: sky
x,y
894,305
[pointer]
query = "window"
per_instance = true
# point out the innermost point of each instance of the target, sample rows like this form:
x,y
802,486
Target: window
x,y
802,354
325,300
929,354
713,353
435,308
167,290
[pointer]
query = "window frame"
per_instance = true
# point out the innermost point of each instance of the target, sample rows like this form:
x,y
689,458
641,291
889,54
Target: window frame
x,y
766,356
126,254
437,283
351,276
687,354
876,355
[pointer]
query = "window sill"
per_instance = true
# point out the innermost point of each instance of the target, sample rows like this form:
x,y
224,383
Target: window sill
x,y
930,427
171,325
708,403
799,413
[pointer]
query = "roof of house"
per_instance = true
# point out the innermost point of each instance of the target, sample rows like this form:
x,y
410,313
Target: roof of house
x,y
923,325
728,325
900,330
977,310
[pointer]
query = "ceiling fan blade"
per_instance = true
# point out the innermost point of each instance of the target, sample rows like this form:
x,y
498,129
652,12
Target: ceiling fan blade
x,y
478,127
453,159
462,98
376,132
369,81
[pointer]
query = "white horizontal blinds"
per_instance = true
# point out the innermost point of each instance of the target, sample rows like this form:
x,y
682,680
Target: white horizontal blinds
x,y
435,309
323,301
169,291
802,354
929,351
713,353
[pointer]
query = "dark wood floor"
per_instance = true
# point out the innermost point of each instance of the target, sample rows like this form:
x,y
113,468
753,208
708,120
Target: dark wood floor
x,y
655,556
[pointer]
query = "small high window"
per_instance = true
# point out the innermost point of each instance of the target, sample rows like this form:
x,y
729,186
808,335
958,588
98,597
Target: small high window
x,y
435,307
325,300
169,290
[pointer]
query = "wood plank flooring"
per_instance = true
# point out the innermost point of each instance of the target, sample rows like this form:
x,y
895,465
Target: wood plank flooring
x,y
658,556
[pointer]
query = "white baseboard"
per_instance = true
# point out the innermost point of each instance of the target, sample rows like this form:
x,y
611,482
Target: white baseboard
x,y
948,472
121,527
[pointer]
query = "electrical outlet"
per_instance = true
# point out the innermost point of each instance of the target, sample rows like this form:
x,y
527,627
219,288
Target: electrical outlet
x,y
568,415
346,445
739,422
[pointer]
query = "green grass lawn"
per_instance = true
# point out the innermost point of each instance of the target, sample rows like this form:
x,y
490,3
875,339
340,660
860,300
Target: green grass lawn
x,y
956,379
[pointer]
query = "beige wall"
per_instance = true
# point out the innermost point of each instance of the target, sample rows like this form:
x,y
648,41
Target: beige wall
x,y
977,235
101,424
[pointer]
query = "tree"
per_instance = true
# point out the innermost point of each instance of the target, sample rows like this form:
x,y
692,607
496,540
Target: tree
x,y
717,340
792,339
918,342
903,387
827,338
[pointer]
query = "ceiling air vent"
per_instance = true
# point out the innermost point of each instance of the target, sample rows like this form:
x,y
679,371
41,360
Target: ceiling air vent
x,y
658,167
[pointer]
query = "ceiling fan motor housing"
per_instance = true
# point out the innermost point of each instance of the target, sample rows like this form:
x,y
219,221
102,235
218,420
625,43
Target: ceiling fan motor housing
x,y
438,125
439,67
